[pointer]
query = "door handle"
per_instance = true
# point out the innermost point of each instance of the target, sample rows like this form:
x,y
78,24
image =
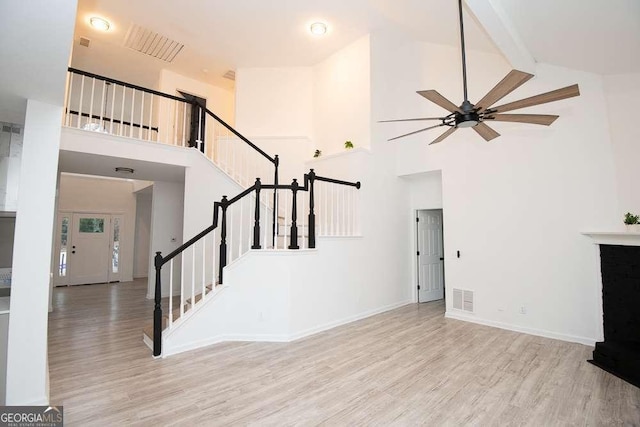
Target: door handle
x,y
73,252
441,259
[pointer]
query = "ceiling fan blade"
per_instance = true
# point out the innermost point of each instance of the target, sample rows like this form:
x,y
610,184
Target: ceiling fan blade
x,y
444,135
511,82
412,120
436,98
543,98
417,131
535,119
485,131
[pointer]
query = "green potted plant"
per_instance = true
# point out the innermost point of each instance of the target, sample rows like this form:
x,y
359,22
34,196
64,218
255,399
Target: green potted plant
x,y
348,145
317,153
631,222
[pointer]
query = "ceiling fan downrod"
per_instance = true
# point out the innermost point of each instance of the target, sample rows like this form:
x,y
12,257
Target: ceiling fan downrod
x,y
466,105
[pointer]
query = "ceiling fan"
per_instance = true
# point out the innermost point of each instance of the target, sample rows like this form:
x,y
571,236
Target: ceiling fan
x,y
475,116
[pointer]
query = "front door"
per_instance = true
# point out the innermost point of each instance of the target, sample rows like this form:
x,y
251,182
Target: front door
x,y
88,258
430,256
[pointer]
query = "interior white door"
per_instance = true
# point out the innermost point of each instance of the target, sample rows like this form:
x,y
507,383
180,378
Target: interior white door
x,y
430,256
89,256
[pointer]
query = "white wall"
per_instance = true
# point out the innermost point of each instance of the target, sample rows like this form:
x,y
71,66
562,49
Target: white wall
x,y
341,98
621,91
166,228
27,376
97,195
274,102
219,100
279,296
141,243
513,207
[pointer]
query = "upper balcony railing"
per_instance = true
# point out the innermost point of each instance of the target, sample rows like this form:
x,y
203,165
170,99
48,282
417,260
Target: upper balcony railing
x,y
102,104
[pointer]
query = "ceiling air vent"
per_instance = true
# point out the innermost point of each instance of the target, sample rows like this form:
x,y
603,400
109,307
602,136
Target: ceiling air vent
x,y
231,75
151,43
84,41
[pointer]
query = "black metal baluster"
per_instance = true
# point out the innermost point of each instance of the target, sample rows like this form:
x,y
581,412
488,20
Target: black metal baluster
x,y
224,203
256,217
312,215
157,311
294,216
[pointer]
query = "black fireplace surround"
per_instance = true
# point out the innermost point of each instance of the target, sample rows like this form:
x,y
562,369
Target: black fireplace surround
x,y
619,353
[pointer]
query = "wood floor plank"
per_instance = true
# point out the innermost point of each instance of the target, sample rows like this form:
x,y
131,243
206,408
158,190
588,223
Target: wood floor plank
x,y
409,366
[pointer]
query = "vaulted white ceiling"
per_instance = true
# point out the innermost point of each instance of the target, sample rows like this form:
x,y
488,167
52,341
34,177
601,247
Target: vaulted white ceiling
x,y
220,35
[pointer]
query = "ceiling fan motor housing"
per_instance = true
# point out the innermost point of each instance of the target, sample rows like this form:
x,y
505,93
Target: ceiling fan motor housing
x,y
467,120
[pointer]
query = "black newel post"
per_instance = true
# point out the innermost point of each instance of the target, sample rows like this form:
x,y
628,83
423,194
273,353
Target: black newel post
x,y
256,217
193,129
203,118
312,215
294,215
157,311
276,162
223,237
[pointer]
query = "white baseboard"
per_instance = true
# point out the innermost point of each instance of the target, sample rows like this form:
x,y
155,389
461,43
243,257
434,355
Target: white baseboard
x,y
224,338
522,329
168,351
147,341
333,324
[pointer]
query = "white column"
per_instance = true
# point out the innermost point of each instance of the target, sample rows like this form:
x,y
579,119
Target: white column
x,y
27,374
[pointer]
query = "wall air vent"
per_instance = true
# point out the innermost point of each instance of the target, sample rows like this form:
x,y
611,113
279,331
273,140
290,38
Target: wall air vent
x,y
463,300
151,43
84,41
231,75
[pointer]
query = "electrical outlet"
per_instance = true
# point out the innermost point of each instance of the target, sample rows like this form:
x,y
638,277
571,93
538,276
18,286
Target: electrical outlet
x,y
523,309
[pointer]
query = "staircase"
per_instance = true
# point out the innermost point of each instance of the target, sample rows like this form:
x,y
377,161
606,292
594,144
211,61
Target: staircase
x,y
266,216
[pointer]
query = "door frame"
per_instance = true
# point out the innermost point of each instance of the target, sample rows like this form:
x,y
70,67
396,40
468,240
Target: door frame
x,y
59,281
416,265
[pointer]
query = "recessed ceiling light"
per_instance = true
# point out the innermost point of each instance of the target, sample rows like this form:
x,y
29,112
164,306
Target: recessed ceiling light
x,y
318,28
124,170
100,23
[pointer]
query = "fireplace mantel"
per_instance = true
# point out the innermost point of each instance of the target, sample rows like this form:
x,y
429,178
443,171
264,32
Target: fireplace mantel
x,y
623,238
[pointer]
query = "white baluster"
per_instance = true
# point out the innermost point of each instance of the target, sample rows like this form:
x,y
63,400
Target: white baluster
x,y
303,220
170,293
184,124
230,251
193,275
182,284
266,218
213,259
141,115
150,132
113,104
204,280
80,103
103,105
93,89
69,95
124,92
240,227
286,217
175,122
133,98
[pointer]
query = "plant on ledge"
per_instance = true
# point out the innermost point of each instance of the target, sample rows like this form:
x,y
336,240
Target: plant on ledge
x,y
318,153
631,222
631,219
348,145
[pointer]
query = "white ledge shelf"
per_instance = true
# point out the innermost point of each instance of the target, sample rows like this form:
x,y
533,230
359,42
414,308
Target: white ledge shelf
x,y
624,238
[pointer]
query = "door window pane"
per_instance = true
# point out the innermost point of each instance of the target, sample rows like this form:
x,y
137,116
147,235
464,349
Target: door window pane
x,y
91,225
64,235
115,256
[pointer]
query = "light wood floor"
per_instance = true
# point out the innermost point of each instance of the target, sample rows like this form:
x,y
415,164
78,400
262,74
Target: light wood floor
x,y
406,367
